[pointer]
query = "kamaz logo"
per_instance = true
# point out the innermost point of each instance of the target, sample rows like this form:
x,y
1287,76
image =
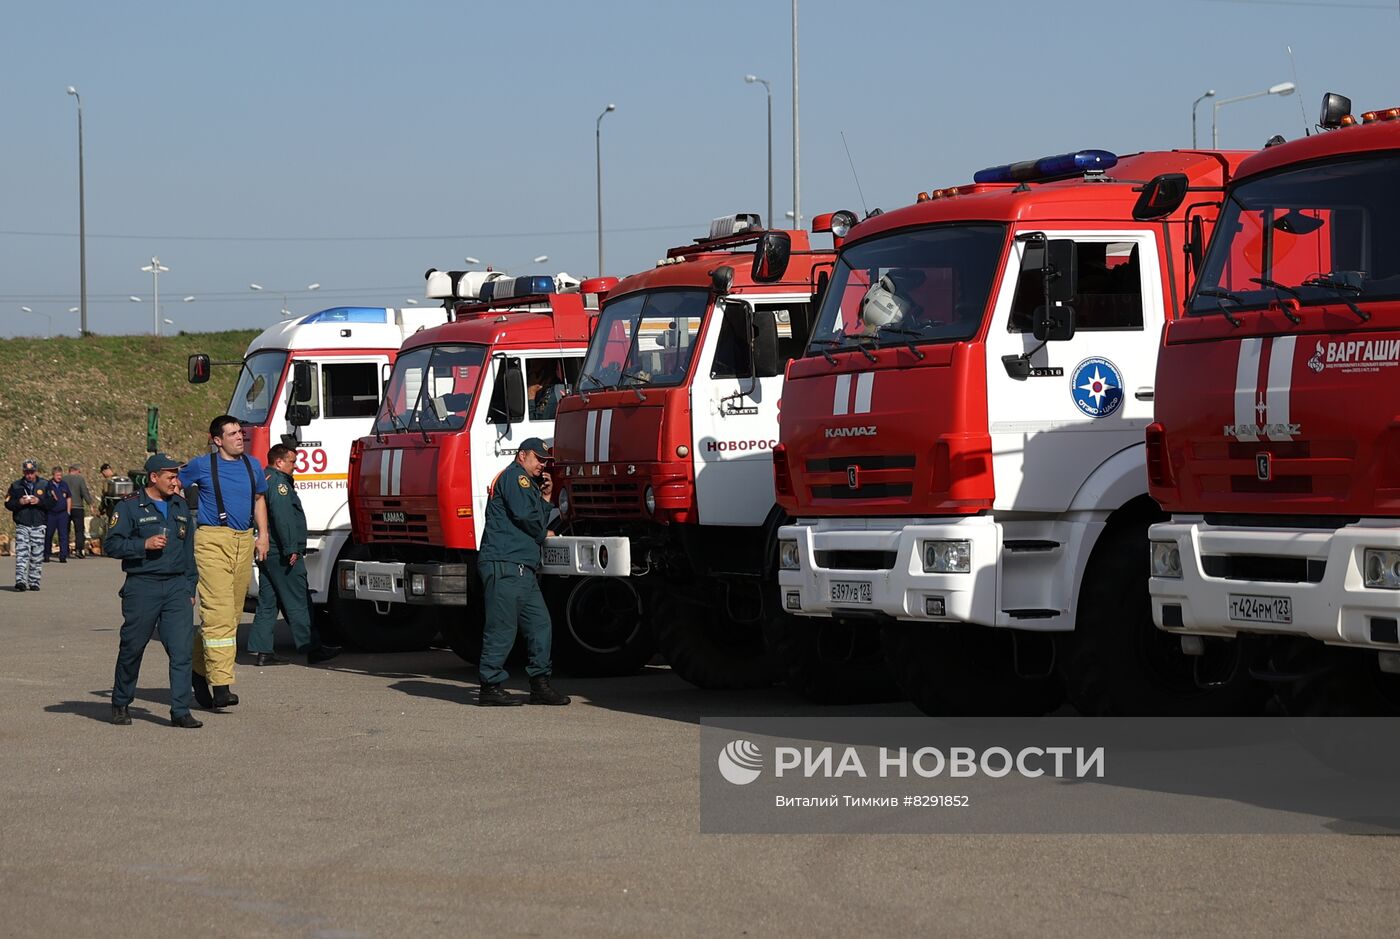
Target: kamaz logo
x,y
395,518
1255,431
832,432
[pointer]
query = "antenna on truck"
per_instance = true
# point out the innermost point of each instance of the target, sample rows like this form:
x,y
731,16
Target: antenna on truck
x,y
1307,131
863,206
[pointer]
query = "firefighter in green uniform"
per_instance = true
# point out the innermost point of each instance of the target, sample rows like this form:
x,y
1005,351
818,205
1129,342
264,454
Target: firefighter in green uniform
x,y
517,521
153,535
282,575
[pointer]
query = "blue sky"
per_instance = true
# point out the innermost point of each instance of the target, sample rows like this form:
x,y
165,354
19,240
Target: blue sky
x,y
356,146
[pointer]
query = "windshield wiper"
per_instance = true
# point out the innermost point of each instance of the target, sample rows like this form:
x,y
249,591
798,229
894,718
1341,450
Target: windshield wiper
x,y
909,341
1220,307
636,377
824,345
1342,288
1283,288
864,349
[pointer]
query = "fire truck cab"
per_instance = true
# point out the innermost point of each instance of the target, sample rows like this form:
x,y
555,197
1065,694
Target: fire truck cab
x,y
313,383
962,445
664,458
460,399
1276,444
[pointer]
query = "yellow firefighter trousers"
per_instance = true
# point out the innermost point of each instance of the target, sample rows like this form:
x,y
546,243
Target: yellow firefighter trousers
x,y
225,561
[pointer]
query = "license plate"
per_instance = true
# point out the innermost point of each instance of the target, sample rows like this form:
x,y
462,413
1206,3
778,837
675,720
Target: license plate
x,y
848,591
556,555
382,582
1247,608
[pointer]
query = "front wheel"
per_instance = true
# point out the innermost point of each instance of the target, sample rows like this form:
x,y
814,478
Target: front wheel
x,y
966,671
1117,662
831,661
600,626
708,649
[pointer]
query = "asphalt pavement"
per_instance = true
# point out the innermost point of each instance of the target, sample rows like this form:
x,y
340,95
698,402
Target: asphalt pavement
x,y
367,798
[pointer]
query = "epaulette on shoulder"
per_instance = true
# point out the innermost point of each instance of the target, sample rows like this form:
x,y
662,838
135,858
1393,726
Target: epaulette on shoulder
x,y
129,496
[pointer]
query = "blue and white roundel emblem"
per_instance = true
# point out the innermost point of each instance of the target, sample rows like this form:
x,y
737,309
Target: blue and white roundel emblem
x,y
1097,387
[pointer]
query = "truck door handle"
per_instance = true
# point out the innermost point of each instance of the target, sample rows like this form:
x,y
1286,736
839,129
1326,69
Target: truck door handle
x,y
1143,394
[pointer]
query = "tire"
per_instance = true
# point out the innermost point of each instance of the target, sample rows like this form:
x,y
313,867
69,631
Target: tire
x,y
1348,683
708,650
1118,663
403,629
965,671
600,625
831,661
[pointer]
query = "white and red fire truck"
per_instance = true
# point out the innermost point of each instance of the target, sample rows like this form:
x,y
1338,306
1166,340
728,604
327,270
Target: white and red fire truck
x,y
664,458
1276,445
461,397
314,383
962,445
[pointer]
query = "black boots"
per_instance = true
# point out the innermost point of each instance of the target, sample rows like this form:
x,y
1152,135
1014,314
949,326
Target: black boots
x,y
323,653
542,693
120,715
495,696
201,690
223,698
185,720
264,659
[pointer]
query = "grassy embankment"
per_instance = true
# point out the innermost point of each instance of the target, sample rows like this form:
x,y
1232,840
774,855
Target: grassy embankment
x,y
68,400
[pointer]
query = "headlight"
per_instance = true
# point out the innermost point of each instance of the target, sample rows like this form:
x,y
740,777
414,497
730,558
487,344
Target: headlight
x,y
563,502
418,585
947,557
1382,569
1166,559
347,578
841,223
787,556
649,497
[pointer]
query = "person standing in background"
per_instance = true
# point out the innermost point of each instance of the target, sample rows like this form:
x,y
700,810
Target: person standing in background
x,y
77,515
29,499
57,518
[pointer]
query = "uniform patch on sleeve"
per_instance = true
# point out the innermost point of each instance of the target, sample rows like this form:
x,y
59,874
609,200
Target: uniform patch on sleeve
x,y
282,488
524,482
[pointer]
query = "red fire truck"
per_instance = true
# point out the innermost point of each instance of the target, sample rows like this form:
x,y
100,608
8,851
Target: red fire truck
x,y
460,399
664,458
1275,446
962,445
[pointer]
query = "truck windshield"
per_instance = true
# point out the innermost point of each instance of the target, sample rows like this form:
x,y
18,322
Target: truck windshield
x,y
432,388
644,339
1322,233
257,383
923,286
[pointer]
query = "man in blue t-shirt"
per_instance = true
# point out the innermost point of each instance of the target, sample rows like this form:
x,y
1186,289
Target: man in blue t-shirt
x,y
231,487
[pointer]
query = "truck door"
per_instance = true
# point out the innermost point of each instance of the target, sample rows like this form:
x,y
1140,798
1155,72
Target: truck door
x,y
734,410
1088,397
345,394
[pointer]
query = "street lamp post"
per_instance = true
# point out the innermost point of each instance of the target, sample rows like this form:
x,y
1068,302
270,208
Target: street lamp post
x,y
1208,94
598,157
82,222
751,79
796,136
48,330
283,294
1282,89
155,269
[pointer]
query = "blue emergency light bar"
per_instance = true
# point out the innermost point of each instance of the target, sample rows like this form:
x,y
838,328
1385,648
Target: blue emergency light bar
x,y
349,314
1051,167
527,286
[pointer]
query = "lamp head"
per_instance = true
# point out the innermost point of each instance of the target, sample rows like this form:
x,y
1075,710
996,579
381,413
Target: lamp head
x,y
72,91
1282,88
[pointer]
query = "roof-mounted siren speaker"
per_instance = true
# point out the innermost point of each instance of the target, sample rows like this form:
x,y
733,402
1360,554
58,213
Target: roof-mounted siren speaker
x,y
470,283
1336,111
439,286
566,282
727,225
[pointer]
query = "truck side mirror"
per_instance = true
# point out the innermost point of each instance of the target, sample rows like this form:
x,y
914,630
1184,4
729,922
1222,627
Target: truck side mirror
x,y
771,256
515,392
298,415
1054,320
1161,196
1195,245
198,368
763,343
301,381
